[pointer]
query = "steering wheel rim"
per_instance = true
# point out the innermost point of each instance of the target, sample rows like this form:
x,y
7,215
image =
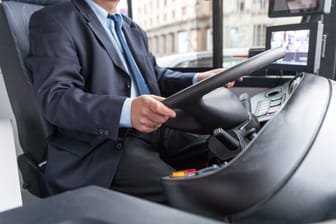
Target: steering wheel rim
x,y
194,92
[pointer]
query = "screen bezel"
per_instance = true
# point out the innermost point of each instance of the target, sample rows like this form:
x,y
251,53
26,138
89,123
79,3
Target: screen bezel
x,y
324,8
314,50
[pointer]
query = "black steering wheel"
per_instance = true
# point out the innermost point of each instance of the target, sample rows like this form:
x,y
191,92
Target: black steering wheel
x,y
203,107
182,98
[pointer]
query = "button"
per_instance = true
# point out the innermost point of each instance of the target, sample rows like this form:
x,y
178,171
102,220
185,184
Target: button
x,y
178,174
277,98
261,112
273,110
263,108
275,103
106,132
101,131
119,145
264,103
190,172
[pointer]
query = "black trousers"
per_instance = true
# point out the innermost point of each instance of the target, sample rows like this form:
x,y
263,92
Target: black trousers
x,y
148,157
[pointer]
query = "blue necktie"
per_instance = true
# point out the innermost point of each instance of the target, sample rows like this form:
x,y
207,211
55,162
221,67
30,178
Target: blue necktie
x,y
137,76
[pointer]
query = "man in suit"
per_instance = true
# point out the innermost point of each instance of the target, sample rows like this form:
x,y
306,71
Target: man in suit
x,y
107,128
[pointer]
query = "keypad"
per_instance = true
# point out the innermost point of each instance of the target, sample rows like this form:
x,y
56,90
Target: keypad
x,y
269,106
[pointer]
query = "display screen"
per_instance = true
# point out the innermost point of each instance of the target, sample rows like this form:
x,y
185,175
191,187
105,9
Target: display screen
x,y
279,8
303,43
296,43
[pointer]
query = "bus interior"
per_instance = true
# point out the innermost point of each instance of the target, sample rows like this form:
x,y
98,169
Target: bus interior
x,y
271,136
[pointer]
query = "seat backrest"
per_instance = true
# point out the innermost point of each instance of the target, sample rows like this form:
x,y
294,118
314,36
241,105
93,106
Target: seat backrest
x,y
33,130
14,47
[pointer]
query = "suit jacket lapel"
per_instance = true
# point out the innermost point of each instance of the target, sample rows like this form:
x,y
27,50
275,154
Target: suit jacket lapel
x,y
99,32
137,48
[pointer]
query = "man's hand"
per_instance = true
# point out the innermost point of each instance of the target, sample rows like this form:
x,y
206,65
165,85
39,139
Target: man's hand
x,y
213,72
148,113
208,74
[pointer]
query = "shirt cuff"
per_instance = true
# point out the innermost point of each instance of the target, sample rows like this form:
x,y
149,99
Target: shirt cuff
x,y
194,79
125,117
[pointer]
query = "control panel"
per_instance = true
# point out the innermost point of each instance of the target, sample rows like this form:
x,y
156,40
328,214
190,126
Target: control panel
x,y
264,105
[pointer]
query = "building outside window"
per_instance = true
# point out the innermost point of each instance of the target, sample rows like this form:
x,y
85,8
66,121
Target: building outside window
x,y
185,26
259,35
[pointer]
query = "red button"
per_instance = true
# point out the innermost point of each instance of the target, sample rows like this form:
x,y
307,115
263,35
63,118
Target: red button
x,y
190,171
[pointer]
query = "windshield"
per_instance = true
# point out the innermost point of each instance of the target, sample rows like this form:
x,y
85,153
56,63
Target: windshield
x,y
180,32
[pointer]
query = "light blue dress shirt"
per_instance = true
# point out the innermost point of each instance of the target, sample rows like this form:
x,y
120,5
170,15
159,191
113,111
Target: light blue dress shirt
x,y
108,24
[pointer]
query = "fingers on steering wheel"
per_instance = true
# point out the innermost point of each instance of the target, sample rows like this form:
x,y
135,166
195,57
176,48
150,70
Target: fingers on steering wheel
x,y
229,84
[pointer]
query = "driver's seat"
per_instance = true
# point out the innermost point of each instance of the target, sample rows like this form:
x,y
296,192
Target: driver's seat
x,y
32,130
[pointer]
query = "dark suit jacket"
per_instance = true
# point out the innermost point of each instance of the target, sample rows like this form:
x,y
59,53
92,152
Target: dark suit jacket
x,y
80,85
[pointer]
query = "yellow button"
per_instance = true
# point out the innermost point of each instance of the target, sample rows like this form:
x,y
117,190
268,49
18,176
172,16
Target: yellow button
x,y
178,174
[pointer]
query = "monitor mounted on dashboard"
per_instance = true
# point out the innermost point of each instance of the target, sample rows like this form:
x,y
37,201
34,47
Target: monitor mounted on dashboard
x,y
286,8
303,43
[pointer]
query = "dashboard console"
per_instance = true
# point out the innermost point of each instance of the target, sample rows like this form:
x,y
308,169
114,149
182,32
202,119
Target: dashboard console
x,y
270,180
265,104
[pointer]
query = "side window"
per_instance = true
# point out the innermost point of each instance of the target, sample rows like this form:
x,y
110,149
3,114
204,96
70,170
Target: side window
x,y
184,64
205,62
123,7
176,28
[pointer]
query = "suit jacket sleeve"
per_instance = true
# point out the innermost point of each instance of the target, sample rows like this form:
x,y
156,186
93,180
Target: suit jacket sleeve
x,y
59,84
